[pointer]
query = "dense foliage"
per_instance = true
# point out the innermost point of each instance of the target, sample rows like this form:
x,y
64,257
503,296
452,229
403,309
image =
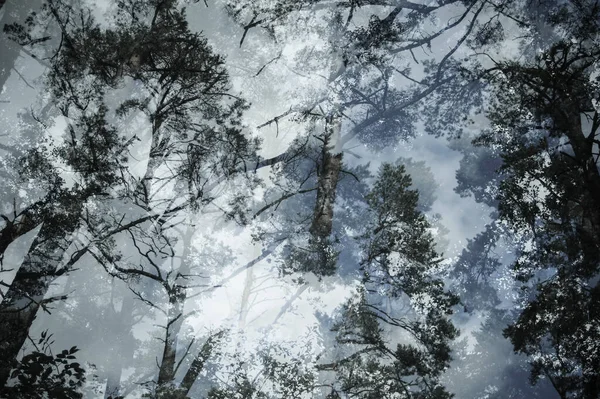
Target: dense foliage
x,y
208,200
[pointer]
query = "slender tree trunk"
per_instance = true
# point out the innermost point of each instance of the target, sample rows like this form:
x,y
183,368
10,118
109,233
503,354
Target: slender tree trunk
x,y
288,304
167,370
157,150
177,295
124,347
199,361
322,220
245,301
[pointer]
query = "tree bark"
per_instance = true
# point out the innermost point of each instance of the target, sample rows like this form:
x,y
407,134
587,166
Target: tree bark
x,y
198,363
329,171
175,317
568,119
328,176
14,229
14,11
124,347
32,281
26,293
166,372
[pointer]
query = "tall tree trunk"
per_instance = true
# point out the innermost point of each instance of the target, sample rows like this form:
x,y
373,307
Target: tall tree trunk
x,y
248,284
177,294
16,228
32,281
166,373
324,259
328,176
26,293
124,347
199,361
329,171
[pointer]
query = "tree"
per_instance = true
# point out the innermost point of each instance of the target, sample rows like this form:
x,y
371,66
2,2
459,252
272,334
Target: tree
x,y
488,368
274,371
545,128
475,268
363,50
399,266
13,12
185,98
373,72
26,293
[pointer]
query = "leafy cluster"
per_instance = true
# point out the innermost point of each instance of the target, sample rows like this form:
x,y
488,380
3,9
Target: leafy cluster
x,y
40,374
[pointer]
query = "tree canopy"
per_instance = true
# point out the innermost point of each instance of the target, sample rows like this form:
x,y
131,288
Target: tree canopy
x,y
375,199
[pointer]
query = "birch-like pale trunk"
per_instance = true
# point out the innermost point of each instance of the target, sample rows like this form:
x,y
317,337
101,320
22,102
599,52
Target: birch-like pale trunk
x,y
322,218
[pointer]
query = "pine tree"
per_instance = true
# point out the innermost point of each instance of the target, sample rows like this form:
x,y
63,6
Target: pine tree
x,y
399,350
